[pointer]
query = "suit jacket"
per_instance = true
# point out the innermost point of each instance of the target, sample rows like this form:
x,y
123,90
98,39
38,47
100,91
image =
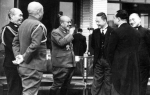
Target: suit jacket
x,y
144,47
123,55
90,50
79,44
95,43
62,48
8,33
31,43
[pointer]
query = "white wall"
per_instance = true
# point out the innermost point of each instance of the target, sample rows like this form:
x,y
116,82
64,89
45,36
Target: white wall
x,y
5,6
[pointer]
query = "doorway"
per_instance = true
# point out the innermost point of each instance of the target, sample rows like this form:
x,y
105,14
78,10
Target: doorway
x,y
51,9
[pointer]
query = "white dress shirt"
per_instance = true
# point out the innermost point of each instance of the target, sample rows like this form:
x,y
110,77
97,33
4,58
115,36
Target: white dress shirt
x,y
104,29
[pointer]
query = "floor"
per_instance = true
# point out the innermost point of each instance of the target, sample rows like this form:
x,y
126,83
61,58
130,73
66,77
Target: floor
x,y
76,88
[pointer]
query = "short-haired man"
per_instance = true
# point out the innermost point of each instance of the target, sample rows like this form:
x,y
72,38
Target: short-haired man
x,y
62,56
144,51
100,39
29,48
8,33
123,46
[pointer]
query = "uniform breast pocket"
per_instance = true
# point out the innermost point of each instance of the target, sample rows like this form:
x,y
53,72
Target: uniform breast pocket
x,y
62,54
42,55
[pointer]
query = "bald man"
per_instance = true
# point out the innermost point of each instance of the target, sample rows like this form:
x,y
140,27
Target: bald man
x,y
62,56
29,48
9,31
144,51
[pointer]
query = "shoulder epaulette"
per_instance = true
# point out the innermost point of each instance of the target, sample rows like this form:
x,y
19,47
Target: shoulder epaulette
x,y
44,31
3,31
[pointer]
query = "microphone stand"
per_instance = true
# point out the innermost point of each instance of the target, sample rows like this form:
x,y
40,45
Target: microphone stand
x,y
85,73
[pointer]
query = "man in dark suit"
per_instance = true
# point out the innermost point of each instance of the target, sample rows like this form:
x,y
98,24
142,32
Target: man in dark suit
x,y
8,33
100,38
90,49
122,50
79,43
62,56
144,54
29,48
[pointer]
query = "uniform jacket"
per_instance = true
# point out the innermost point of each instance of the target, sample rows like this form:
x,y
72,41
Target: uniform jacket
x,y
8,33
95,43
79,44
62,48
123,55
31,43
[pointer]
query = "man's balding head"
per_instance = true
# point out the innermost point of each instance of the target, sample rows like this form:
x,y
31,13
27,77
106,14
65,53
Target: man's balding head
x,y
134,20
65,22
35,9
15,15
64,18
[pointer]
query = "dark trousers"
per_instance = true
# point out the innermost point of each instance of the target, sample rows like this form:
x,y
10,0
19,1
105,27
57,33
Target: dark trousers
x,y
13,81
101,82
31,80
144,76
62,78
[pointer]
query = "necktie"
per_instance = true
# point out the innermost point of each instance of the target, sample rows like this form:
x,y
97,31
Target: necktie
x,y
102,32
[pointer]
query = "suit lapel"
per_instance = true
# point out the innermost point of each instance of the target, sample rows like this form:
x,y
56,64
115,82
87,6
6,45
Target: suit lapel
x,y
97,34
141,31
108,33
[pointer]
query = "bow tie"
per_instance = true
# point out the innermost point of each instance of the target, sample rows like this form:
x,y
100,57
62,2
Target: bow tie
x,y
137,27
16,25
